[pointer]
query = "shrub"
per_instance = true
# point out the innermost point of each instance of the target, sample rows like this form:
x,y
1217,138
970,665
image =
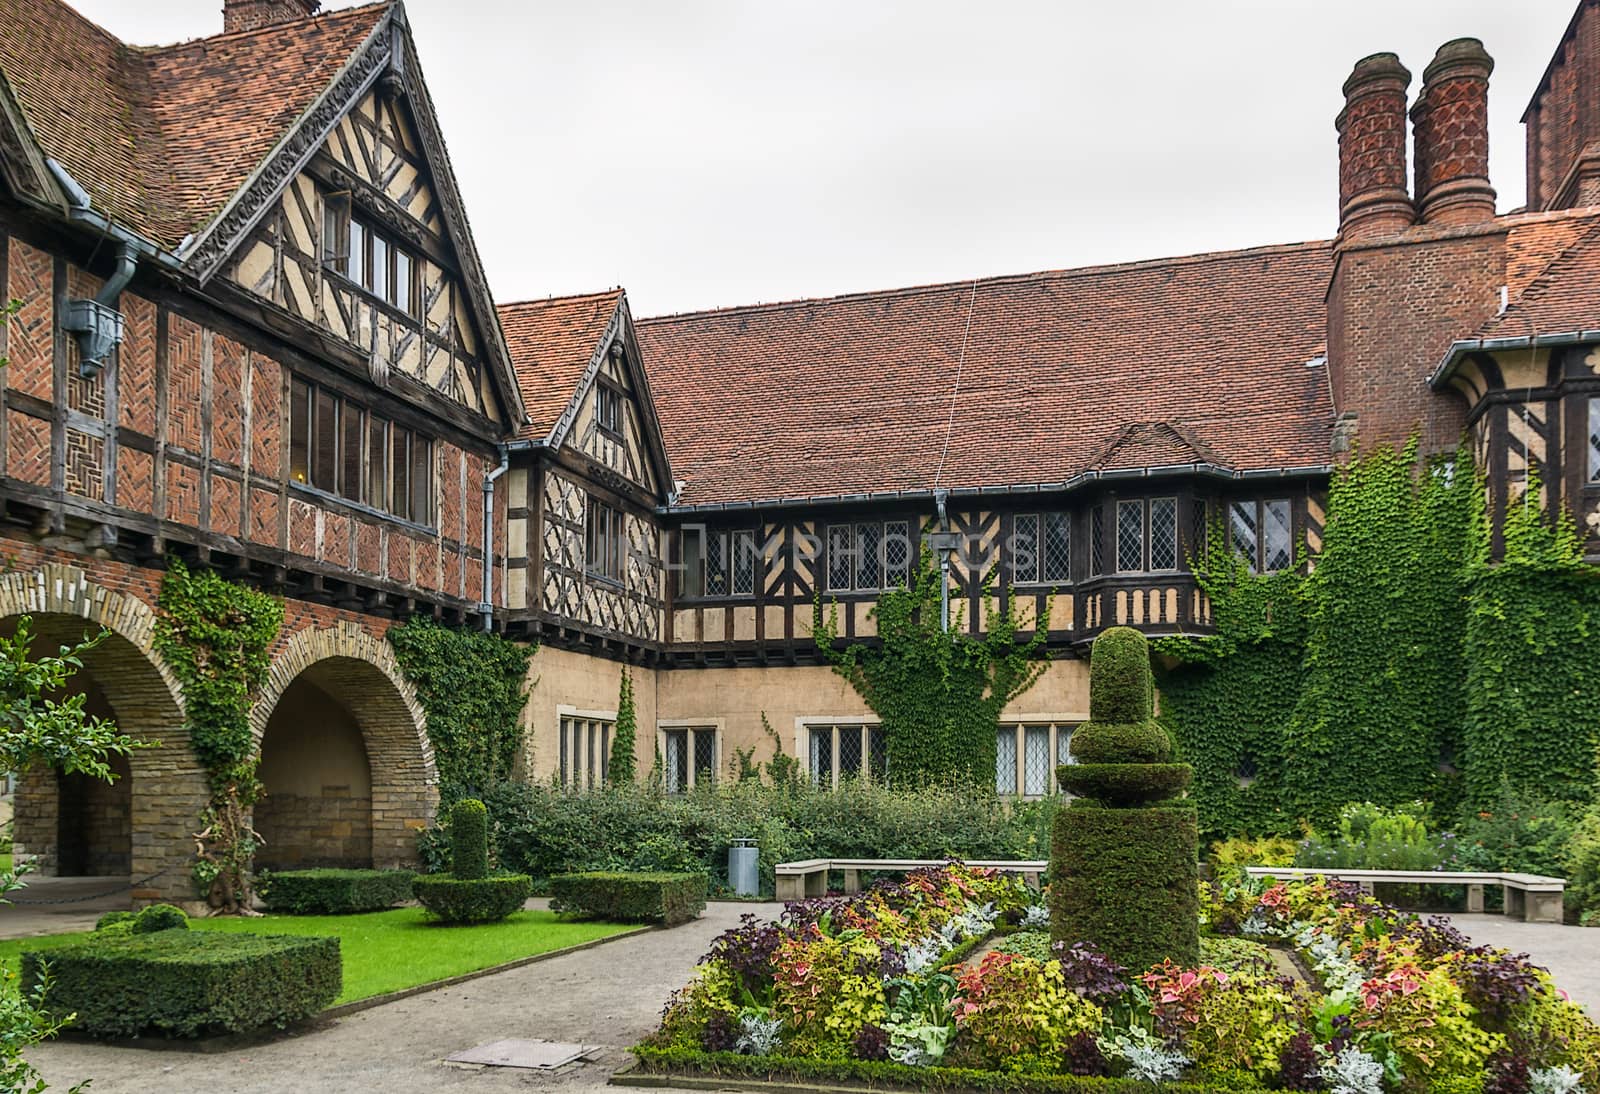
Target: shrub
x,y
630,897
1017,1014
159,917
1377,838
469,839
472,900
1518,833
334,892
1125,783
1229,857
113,921
1238,955
187,983
1133,742
1582,869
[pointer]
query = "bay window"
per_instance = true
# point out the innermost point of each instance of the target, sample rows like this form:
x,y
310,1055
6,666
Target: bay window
x,y
339,447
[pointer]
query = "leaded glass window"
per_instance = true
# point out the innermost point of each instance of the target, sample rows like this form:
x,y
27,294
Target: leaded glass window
x,y
1277,542
877,753
744,563
705,756
1163,533
1025,549
822,755
1097,539
897,552
1594,439
869,557
690,757
850,752
1064,745
840,557
716,564
1242,531
1130,535
677,760
1005,760
1036,760
1056,560
1199,530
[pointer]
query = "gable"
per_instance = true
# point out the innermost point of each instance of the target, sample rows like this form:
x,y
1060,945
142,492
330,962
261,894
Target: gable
x,y
610,425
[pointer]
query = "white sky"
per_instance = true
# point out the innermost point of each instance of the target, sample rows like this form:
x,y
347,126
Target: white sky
x,y
716,152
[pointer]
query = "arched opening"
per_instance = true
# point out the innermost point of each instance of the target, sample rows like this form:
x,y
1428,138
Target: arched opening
x,y
318,805
346,767
78,826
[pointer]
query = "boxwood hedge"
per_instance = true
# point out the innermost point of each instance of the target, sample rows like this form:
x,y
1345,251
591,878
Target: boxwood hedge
x,y
187,983
472,900
630,897
334,892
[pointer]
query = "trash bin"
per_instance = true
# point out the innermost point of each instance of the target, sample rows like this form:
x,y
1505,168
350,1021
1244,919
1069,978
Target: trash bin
x,y
744,872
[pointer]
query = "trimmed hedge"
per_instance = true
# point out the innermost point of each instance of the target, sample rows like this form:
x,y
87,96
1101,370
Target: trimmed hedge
x,y
630,897
1121,742
472,900
155,917
1128,881
887,1074
334,892
1124,783
469,839
187,983
1122,690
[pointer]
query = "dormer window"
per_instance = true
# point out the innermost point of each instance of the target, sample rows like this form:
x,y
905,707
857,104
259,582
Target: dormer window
x,y
369,257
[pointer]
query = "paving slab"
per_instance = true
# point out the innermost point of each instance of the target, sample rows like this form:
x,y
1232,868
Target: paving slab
x,y
609,996
1572,954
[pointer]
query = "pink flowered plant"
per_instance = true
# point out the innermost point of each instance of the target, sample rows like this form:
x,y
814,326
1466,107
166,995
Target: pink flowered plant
x,y
1404,980
1178,991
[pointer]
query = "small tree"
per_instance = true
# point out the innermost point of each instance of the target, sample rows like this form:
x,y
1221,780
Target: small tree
x,y
938,690
624,764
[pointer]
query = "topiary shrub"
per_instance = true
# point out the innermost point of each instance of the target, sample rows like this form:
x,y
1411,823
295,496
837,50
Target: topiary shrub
x,y
670,899
1123,866
472,900
159,917
334,892
115,921
187,983
469,839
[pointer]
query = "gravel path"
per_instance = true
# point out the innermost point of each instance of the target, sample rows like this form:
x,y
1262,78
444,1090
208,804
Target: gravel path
x,y
609,996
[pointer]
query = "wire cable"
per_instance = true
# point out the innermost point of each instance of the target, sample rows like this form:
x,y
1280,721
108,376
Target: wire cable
x,y
955,392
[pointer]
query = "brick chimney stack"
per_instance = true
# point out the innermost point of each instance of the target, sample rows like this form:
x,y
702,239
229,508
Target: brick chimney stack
x,y
1451,125
255,14
1373,200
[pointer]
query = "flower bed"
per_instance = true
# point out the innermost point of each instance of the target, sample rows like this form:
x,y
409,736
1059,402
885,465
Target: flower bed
x,y
864,989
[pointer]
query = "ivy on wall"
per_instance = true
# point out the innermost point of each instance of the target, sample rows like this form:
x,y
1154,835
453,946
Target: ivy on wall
x,y
216,636
938,692
1406,663
1532,719
472,687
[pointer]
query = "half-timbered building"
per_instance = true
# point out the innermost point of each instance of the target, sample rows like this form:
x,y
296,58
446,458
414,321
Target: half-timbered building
x,y
254,334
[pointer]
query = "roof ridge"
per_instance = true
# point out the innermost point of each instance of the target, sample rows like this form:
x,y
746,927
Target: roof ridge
x,y
323,16
1064,273
567,299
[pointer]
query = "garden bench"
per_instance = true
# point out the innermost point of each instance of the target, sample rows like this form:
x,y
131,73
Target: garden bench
x,y
1531,897
798,880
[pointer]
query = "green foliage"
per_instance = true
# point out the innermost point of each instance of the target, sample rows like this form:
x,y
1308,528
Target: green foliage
x,y
1582,869
115,920
472,687
938,692
24,1023
665,898
783,769
159,917
472,900
1114,742
1018,1014
55,732
216,636
541,830
1237,955
469,839
1372,837
335,892
1119,665
186,983
1519,833
1229,1023
1125,783
1532,718
1229,857
623,767
1127,880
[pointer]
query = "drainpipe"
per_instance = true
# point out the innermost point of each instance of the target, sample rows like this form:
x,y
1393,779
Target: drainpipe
x,y
940,496
486,604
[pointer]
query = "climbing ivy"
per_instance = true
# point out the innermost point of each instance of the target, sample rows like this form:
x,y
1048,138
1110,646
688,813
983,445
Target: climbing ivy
x,y
938,693
472,687
216,637
1532,719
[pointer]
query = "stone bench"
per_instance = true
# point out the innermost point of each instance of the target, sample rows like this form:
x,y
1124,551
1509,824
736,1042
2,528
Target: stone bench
x,y
1532,898
798,880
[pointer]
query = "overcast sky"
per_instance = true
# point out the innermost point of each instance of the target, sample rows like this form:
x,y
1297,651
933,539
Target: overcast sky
x,y
712,153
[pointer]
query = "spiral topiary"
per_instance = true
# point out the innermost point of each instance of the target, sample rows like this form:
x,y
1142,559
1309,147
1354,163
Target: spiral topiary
x,y
1124,857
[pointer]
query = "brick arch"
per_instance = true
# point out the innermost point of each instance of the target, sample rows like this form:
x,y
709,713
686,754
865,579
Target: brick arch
x,y
166,784
360,671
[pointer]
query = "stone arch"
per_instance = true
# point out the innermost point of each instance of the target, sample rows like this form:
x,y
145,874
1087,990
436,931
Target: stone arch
x,y
165,787
358,673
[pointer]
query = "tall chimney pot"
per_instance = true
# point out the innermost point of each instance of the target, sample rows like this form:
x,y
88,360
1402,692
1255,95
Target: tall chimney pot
x,y
1373,200
1451,125
255,14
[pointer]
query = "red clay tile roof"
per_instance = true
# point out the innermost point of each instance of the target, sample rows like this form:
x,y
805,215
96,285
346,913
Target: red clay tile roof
x,y
1206,355
161,137
1562,293
552,342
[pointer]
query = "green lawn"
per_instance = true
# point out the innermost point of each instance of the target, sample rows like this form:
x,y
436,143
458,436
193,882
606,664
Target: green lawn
x,y
400,948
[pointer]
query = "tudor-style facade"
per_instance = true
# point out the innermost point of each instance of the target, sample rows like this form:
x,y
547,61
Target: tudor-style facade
x,y
285,364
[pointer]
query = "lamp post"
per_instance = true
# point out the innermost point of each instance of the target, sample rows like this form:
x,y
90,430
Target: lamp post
x,y
945,542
